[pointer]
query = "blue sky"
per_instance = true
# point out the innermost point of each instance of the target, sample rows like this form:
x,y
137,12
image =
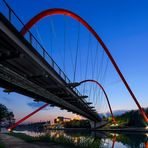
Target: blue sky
x,y
122,25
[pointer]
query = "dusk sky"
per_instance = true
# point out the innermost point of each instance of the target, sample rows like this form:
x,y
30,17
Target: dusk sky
x,y
122,25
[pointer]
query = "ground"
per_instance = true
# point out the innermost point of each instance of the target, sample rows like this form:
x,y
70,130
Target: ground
x,y
13,142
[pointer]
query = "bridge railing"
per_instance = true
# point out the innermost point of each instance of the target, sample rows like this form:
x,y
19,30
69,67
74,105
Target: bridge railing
x,y
6,10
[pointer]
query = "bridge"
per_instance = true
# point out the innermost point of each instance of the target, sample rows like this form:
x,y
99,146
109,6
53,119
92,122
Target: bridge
x,y
27,68
26,71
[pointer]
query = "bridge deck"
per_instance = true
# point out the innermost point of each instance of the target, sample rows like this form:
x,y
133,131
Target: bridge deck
x,y
24,70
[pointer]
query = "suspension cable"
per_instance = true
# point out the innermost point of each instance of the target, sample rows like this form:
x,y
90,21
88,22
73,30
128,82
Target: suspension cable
x,y
76,52
104,75
87,61
91,67
39,35
70,49
98,75
80,59
51,41
92,95
64,43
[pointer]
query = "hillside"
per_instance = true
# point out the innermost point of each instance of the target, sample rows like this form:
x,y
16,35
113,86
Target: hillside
x,y
132,118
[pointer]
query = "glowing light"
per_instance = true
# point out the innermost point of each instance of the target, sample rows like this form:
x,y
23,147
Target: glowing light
x,y
77,117
114,134
9,130
114,125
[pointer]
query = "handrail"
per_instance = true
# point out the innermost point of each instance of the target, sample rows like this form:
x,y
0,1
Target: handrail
x,y
32,38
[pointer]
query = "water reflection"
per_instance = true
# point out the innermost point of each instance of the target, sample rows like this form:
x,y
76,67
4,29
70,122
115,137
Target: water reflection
x,y
88,138
134,140
114,140
146,144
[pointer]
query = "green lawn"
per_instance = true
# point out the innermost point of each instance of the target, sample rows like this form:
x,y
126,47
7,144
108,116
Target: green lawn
x,y
1,144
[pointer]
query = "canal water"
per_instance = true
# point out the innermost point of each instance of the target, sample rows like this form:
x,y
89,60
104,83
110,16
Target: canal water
x,y
96,139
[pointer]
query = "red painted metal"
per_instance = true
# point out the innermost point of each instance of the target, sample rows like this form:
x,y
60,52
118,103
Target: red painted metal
x,y
26,117
94,81
114,140
58,11
146,144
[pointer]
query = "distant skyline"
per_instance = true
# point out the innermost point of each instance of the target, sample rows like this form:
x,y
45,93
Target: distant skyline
x,y
122,25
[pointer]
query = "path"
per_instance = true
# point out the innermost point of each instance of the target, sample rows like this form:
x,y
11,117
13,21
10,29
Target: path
x,y
13,142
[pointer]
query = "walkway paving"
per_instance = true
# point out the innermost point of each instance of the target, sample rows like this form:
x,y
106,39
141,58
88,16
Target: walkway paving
x,y
13,142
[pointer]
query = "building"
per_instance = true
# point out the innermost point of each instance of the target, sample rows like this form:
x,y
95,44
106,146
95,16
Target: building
x,y
59,120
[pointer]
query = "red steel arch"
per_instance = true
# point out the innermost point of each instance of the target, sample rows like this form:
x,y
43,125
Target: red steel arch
x,y
94,81
57,11
26,117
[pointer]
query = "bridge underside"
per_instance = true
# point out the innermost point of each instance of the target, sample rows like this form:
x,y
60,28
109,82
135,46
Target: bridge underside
x,y
24,70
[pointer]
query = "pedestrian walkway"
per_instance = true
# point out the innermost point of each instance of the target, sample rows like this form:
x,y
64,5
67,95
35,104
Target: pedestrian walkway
x,y
13,142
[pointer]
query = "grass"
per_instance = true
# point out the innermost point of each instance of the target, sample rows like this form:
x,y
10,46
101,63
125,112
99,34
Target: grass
x,y
23,137
45,139
1,144
61,140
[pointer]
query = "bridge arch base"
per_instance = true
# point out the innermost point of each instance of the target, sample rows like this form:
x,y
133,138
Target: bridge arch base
x,y
96,125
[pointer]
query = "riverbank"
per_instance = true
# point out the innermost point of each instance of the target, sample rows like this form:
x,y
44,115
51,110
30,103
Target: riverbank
x,y
93,139
57,141
125,129
7,141
142,130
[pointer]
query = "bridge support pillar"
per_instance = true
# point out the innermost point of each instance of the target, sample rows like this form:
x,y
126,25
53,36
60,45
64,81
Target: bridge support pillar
x,y
93,124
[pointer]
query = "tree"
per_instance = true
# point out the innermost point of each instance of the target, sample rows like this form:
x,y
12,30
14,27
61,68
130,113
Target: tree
x,y
133,118
77,124
5,113
136,119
